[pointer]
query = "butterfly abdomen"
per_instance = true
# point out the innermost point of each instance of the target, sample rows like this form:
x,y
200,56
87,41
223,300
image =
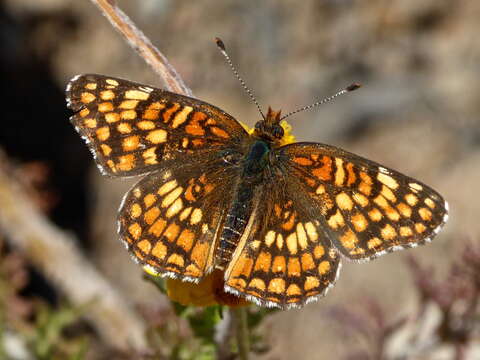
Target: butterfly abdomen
x,y
235,224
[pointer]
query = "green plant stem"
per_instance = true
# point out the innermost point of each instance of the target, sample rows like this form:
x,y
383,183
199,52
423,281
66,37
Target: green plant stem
x,y
241,332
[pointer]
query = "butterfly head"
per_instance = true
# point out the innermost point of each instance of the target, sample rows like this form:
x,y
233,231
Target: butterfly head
x,y
270,128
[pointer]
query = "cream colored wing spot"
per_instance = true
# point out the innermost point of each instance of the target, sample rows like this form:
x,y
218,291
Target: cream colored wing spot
x,y
128,104
130,143
340,173
270,238
302,236
105,106
411,199
171,197
359,222
405,210
425,214
406,231
107,150
112,82
292,243
416,186
107,95
91,86
145,125
336,221
349,240
90,123
344,201
279,241
375,215
167,187
181,117
149,200
196,216
103,133
157,136
136,95
87,97
150,156
112,117
387,180
185,213
311,231
388,232
128,115
360,199
175,208
374,243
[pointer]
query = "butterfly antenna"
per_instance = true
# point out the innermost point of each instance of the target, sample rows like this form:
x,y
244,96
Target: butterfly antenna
x,y
349,88
221,46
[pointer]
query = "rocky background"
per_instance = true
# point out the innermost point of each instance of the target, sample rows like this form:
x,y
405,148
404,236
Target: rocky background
x,y
418,112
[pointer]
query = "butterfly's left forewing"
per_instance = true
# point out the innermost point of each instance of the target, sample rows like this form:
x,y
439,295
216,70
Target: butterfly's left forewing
x,y
131,128
365,209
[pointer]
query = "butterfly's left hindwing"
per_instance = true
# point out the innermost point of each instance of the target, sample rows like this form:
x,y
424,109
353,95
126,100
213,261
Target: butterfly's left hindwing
x,y
132,128
286,260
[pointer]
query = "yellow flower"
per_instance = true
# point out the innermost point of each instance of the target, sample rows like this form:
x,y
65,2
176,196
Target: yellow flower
x,y
210,290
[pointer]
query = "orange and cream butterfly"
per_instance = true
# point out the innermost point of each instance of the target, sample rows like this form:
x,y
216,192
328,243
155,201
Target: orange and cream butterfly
x,y
276,217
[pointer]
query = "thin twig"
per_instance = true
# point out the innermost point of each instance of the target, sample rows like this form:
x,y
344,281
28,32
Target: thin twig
x,y
140,43
55,253
241,329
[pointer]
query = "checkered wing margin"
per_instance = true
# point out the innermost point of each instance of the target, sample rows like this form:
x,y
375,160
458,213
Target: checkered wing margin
x,y
365,209
170,220
284,259
131,128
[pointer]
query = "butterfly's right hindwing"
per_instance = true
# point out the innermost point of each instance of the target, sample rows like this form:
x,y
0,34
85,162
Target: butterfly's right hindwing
x,y
170,220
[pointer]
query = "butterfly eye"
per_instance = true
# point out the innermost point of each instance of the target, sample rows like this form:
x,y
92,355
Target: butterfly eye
x,y
278,132
260,125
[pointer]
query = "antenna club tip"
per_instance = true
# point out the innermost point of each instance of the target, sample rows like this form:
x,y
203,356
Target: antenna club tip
x,y
353,87
220,43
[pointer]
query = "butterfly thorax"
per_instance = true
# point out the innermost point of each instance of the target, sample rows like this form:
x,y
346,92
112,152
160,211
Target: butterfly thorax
x,y
257,159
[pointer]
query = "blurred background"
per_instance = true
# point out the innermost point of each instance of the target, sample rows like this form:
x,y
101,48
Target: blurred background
x,y
418,112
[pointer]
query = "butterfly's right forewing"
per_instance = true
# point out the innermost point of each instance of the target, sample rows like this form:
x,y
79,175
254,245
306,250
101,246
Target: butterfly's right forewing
x,y
131,128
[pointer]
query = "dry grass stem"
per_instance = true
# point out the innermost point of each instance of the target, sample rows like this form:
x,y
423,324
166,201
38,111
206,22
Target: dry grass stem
x,y
138,41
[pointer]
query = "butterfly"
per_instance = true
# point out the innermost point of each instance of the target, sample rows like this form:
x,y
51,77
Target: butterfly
x,y
276,217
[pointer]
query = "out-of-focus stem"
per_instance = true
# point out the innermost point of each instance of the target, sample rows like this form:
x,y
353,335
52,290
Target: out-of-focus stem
x,y
241,332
